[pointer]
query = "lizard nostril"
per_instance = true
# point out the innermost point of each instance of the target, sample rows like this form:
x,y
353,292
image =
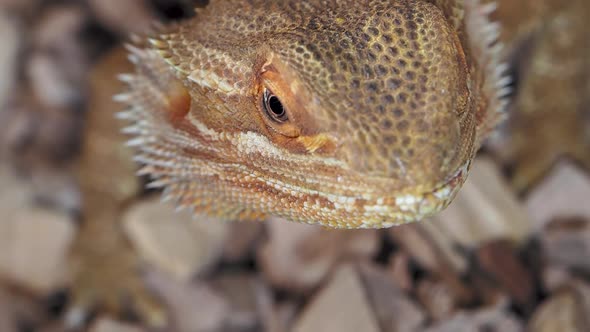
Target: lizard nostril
x,y
274,107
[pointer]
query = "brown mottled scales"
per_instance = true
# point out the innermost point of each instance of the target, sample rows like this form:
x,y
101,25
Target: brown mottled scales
x,y
354,114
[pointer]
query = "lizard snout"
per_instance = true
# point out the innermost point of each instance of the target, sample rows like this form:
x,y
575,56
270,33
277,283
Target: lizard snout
x,y
406,147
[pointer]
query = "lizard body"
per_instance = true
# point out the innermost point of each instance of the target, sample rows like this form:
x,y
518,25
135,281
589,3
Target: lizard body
x,y
350,114
199,126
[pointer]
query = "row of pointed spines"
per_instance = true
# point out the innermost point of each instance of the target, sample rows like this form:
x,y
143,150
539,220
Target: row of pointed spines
x,y
156,156
175,173
147,104
146,129
199,194
154,140
484,39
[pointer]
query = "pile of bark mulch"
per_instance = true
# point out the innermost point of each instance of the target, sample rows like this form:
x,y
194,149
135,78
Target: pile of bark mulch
x,y
495,260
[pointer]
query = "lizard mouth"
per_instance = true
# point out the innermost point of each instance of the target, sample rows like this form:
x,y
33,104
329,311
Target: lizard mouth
x,y
411,205
455,181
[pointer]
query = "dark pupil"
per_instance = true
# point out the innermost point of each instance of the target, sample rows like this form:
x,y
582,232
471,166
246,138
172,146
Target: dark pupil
x,y
276,107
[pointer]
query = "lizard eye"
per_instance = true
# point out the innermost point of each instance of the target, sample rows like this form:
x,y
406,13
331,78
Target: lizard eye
x,y
274,107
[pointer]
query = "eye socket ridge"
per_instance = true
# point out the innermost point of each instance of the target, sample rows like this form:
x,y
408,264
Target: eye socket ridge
x,y
273,107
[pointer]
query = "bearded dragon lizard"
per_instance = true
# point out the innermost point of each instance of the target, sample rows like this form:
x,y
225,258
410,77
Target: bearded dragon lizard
x,y
348,114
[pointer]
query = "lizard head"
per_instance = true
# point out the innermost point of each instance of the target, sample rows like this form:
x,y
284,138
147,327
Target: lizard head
x,y
361,115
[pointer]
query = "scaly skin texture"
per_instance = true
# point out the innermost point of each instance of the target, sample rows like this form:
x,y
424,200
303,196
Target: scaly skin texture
x,y
386,103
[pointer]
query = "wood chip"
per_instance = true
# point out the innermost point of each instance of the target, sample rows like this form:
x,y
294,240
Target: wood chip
x,y
488,319
399,265
109,325
500,261
387,298
193,307
7,320
555,278
431,250
56,187
18,310
241,240
174,242
15,194
276,317
11,36
19,5
563,194
298,257
241,293
437,298
51,84
123,16
565,311
54,327
421,245
33,241
582,289
341,306
488,291
58,66
566,243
